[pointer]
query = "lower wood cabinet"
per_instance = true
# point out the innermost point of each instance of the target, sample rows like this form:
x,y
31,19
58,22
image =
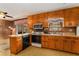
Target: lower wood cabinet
x,y
69,44
51,42
75,46
15,44
45,41
59,43
45,44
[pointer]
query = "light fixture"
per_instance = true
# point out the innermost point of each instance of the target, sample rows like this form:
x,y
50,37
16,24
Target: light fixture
x,y
2,15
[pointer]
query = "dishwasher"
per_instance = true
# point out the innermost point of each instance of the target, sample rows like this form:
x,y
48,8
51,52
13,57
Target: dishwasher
x,y
26,41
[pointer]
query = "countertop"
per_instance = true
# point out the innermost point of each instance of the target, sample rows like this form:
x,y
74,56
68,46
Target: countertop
x,y
19,35
42,34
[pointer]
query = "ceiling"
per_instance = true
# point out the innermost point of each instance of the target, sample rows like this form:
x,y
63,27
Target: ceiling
x,y
22,10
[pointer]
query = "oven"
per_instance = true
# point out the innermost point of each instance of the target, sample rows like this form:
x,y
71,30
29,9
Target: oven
x,y
36,40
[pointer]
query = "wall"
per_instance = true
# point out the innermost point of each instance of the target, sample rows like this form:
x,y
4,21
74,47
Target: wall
x,y
20,21
4,30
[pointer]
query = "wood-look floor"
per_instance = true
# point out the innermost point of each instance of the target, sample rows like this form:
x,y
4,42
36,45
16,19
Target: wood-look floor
x,y
34,51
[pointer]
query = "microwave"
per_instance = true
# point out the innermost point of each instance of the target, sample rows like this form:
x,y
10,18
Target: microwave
x,y
38,26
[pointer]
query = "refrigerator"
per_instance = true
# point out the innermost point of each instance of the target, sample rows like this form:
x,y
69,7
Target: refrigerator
x,y
77,30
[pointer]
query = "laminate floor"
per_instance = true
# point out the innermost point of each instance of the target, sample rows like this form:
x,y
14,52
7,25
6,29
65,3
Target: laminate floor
x,y
4,47
35,51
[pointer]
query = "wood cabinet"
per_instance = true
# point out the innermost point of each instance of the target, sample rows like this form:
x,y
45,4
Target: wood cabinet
x,y
75,45
51,42
67,44
59,43
29,21
59,14
71,17
45,41
45,20
56,14
15,44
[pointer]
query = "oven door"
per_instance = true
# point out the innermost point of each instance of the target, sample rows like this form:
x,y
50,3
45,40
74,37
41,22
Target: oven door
x,y
36,39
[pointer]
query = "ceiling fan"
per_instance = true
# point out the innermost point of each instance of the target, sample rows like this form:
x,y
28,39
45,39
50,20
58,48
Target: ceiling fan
x,y
4,14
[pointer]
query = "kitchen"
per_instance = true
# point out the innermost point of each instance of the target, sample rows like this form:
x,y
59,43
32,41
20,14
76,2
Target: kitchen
x,y
50,32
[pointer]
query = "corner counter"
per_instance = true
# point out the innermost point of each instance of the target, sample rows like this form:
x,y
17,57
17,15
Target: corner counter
x,y
16,43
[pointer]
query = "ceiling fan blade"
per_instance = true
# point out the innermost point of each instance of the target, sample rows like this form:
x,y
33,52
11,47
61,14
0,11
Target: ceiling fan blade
x,y
5,12
8,16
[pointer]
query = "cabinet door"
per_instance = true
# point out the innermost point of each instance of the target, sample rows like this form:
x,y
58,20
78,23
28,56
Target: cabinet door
x,y
51,42
59,43
70,18
75,46
45,41
44,38
45,22
67,45
19,44
29,21
52,14
45,44
60,14
13,44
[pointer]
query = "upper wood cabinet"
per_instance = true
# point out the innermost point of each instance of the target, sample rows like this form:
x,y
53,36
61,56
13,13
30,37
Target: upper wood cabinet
x,y
71,17
60,14
29,21
56,14
38,18
51,14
